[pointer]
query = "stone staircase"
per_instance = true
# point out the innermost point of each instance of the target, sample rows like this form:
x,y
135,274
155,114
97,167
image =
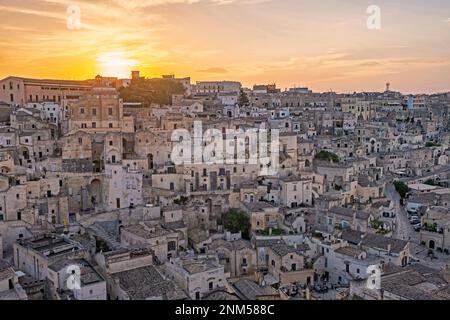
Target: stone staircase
x,y
100,232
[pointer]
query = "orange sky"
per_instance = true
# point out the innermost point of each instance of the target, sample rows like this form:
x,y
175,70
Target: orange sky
x,y
324,45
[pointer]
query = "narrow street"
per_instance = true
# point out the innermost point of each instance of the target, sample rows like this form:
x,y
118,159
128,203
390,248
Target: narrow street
x,y
403,230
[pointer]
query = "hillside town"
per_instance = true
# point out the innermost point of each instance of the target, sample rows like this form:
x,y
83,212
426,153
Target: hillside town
x,y
282,194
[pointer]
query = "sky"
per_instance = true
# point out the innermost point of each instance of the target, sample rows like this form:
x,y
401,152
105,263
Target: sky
x,y
324,44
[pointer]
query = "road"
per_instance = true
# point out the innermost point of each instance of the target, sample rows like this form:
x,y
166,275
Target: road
x,y
403,229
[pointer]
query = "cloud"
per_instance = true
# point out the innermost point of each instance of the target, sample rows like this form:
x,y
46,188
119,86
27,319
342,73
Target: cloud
x,y
41,13
214,70
369,64
135,4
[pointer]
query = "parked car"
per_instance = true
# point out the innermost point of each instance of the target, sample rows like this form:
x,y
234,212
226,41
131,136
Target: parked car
x,y
414,218
320,288
417,227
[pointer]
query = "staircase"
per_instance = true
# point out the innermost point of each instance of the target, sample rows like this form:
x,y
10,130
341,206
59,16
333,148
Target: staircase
x,y
110,239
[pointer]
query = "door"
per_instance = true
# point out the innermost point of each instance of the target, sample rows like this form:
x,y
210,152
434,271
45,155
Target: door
x,y
432,244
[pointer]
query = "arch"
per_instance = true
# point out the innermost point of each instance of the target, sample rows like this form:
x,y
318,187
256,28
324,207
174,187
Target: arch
x,y
307,163
432,244
23,151
96,192
113,156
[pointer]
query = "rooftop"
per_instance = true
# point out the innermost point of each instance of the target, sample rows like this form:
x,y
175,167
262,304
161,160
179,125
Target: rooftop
x,y
250,290
147,283
88,273
51,245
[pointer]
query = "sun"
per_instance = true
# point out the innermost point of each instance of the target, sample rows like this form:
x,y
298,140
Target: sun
x,y
116,64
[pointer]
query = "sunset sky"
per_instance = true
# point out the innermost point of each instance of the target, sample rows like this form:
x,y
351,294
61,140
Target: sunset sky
x,y
323,44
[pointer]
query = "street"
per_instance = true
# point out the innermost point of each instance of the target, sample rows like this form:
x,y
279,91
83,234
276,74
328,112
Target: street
x,y
405,231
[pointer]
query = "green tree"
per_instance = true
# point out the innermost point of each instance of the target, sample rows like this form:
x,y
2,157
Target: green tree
x,y
148,91
327,156
401,188
431,182
243,99
236,220
431,144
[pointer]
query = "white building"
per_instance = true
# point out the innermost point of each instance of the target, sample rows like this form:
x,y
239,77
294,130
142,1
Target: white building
x,y
50,111
197,276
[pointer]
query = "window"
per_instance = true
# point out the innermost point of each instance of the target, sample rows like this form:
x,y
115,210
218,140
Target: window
x,y
17,196
171,246
81,110
211,285
80,140
94,124
273,263
1,217
94,112
19,215
110,125
11,97
110,111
